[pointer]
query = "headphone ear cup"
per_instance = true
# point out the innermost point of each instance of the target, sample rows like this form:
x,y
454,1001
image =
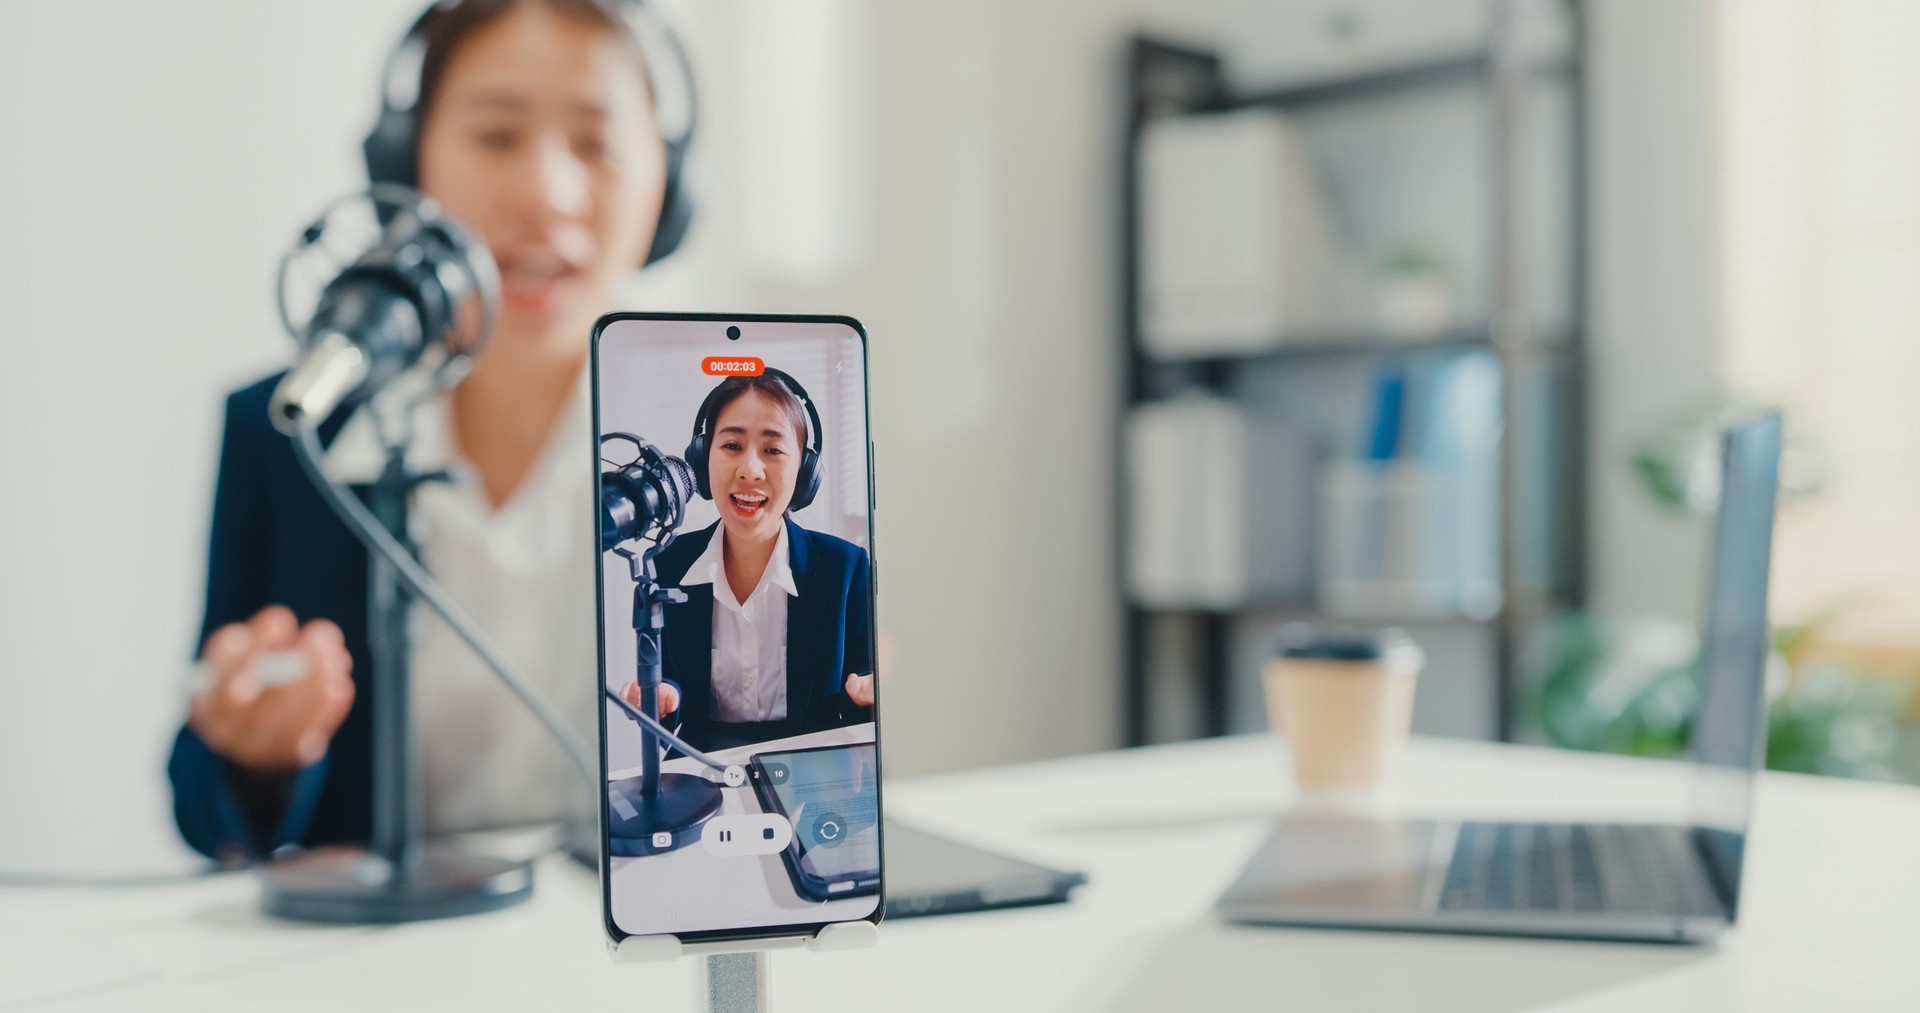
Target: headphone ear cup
x,y
806,484
696,457
676,208
388,150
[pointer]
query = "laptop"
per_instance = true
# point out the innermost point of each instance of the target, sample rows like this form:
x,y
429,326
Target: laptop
x,y
1655,882
928,874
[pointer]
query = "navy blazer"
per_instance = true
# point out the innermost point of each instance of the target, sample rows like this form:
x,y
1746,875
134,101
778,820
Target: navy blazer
x,y
275,541
829,635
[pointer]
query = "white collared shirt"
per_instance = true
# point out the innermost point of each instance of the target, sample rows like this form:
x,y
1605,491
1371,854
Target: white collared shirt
x,y
750,637
524,573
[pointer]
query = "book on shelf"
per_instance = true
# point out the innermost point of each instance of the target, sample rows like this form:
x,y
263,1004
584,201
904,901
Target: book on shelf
x,y
1218,506
1410,527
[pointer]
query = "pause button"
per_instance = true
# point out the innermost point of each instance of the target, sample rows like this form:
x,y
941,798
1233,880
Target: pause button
x,y
747,834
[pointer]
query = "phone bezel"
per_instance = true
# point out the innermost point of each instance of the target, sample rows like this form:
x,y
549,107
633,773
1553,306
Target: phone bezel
x,y
787,930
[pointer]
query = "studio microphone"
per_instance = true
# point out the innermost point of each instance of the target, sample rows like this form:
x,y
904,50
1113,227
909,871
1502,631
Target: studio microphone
x,y
386,308
644,498
643,501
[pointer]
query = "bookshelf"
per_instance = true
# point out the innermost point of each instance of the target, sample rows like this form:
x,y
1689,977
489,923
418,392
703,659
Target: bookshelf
x,y
1541,393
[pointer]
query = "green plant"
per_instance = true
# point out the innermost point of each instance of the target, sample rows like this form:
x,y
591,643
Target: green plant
x,y
1678,461
1835,722
1410,259
1634,688
1612,687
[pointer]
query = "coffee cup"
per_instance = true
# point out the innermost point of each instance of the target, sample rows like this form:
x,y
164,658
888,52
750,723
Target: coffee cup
x,y
1344,703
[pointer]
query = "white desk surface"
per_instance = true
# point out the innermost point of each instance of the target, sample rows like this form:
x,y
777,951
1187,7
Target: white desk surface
x,y
1831,919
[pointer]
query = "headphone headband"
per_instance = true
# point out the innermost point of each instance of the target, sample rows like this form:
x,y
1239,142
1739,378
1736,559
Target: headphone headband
x,y
392,146
814,437
806,483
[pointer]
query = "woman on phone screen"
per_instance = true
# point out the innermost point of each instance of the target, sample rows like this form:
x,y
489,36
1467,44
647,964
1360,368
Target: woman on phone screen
x,y
775,638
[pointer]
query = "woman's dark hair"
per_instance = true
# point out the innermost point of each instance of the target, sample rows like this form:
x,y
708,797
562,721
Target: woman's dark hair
x,y
443,29
733,388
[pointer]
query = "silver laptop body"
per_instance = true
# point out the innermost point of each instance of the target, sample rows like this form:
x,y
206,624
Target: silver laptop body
x,y
1667,882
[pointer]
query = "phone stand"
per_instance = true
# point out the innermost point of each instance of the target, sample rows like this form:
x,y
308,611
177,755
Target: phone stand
x,y
736,977
733,983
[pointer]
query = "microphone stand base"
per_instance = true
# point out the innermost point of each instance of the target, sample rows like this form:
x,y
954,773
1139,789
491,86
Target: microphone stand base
x,y
678,810
351,885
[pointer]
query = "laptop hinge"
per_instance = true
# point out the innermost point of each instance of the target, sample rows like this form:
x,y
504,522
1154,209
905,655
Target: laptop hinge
x,y
1725,882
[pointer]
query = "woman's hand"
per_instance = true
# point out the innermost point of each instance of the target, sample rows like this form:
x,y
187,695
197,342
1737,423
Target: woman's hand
x,y
668,696
860,689
272,728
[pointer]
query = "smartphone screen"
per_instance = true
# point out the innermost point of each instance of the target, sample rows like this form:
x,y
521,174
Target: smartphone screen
x,y
737,604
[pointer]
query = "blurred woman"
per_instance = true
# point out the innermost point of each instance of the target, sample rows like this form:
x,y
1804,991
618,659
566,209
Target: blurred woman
x,y
536,127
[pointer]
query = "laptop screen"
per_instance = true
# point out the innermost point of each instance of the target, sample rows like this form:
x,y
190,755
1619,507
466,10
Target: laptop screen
x,y
1730,730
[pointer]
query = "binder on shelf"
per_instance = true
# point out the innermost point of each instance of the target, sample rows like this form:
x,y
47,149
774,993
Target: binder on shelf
x,y
1219,506
1461,437
1414,531
1238,249
1381,533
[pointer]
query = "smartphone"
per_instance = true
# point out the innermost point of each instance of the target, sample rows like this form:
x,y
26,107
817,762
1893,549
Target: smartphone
x,y
737,603
829,795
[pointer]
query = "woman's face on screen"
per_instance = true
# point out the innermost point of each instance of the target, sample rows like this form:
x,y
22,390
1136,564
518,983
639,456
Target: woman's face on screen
x,y
541,137
751,466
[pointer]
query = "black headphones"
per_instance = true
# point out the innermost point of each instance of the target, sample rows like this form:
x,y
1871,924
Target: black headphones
x,y
392,147
806,484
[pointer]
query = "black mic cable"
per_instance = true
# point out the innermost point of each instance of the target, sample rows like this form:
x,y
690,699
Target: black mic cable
x,y
674,740
377,540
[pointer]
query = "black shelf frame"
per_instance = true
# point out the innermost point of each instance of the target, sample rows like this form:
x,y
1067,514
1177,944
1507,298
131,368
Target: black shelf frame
x,y
1165,79
1333,347
1463,68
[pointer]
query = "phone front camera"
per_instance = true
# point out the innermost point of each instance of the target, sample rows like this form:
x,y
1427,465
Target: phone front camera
x,y
733,334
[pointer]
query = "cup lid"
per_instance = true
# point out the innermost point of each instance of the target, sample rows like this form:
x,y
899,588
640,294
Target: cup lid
x,y
1302,641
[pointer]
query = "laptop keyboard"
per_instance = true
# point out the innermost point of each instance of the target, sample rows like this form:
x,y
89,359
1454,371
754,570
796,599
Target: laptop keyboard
x,y
1561,867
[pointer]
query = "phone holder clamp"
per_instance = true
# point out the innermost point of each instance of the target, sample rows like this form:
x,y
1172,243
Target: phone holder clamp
x,y
736,977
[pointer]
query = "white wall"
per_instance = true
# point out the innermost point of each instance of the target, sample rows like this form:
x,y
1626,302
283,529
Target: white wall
x,y
1655,318
1821,228
986,281
157,161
